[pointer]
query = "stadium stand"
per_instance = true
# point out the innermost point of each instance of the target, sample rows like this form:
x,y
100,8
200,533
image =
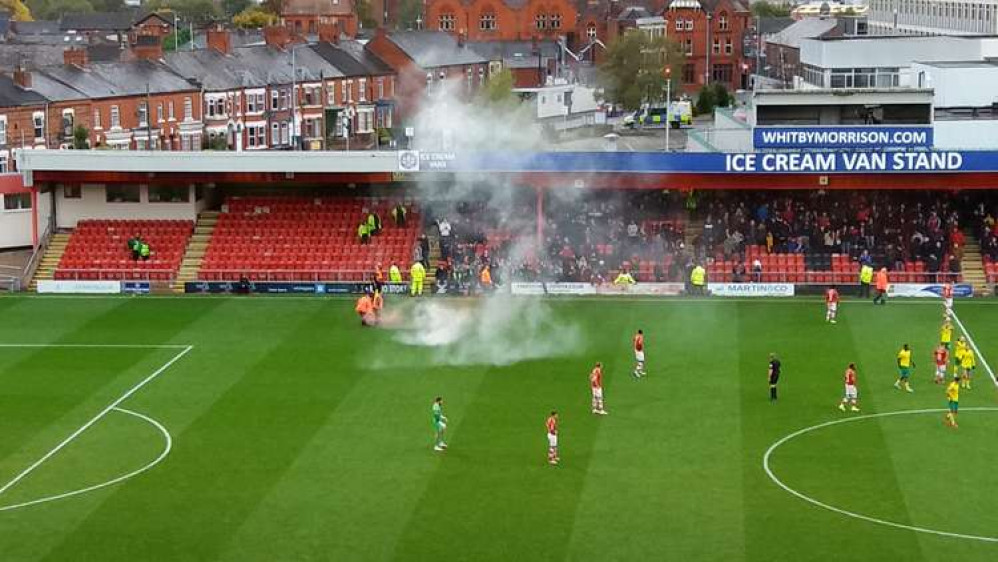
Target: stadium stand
x,y
305,239
98,249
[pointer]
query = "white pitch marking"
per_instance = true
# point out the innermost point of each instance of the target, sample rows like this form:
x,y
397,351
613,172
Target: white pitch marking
x,y
95,419
96,345
980,355
166,451
778,482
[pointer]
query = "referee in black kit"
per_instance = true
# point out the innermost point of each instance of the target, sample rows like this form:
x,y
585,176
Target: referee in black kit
x,y
774,376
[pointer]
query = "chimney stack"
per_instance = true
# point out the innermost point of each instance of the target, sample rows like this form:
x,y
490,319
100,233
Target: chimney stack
x,y
75,56
277,36
22,78
148,47
220,39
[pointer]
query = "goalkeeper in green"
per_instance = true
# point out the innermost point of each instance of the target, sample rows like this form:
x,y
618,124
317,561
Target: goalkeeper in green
x,y
439,424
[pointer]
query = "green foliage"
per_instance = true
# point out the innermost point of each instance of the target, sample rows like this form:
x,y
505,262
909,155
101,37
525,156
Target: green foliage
x,y
409,11
54,9
499,90
17,9
765,9
705,101
253,17
81,138
364,14
634,69
721,96
233,7
108,5
215,143
179,38
200,11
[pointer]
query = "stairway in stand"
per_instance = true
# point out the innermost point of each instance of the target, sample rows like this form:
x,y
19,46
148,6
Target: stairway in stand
x,y
692,230
196,248
972,266
50,260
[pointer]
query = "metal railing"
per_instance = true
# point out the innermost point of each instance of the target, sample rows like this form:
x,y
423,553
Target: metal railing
x,y
115,274
282,275
831,277
10,278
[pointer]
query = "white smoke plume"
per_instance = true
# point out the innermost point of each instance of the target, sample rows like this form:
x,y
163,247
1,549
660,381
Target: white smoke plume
x,y
497,330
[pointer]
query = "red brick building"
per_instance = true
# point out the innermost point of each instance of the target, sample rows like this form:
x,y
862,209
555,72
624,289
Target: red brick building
x,y
502,20
423,60
304,17
710,33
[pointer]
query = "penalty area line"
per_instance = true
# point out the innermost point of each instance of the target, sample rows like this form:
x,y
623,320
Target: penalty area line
x,y
112,406
977,351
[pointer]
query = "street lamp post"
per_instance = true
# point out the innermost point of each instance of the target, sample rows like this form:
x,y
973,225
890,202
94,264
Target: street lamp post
x,y
706,74
668,106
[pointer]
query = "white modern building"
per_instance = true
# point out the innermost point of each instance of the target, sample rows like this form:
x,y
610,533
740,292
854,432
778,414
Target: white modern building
x,y
883,61
933,17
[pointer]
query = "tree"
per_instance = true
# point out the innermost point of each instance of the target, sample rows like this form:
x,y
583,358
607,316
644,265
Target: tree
x,y
706,100
253,17
233,7
362,8
499,90
721,96
54,9
200,11
108,5
177,39
18,10
634,69
81,138
765,9
409,12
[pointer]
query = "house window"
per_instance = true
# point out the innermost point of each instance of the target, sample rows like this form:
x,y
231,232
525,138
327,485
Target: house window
x,y
446,22
169,111
275,134
257,136
67,123
96,123
349,91
728,46
3,129
721,73
122,193
73,191
381,88
143,114
188,109
689,73
688,45
16,201
716,47
487,22
274,100
689,25
169,194
679,24
38,120
159,112
362,90
555,21
591,32
540,21
722,22
481,77
343,93
115,117
285,133
4,167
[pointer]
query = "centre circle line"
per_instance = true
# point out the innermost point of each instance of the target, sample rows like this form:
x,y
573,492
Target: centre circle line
x,y
798,433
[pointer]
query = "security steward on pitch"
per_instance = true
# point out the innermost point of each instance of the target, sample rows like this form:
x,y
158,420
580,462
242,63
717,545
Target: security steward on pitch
x,y
774,376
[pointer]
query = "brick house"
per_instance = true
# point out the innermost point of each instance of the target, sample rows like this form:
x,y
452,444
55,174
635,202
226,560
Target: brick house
x,y
710,33
303,17
502,20
359,103
423,60
22,112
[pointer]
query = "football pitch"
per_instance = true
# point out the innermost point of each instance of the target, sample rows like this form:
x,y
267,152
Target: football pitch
x,y
266,429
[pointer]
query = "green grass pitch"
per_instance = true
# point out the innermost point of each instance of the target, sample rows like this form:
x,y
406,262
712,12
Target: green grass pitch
x,y
298,435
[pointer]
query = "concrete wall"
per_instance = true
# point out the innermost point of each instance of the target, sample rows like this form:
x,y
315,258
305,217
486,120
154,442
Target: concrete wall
x,y
93,204
975,86
15,226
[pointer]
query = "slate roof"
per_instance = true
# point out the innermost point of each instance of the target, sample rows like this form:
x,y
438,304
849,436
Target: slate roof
x,y
351,59
107,80
514,54
217,72
431,49
14,96
273,66
807,28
